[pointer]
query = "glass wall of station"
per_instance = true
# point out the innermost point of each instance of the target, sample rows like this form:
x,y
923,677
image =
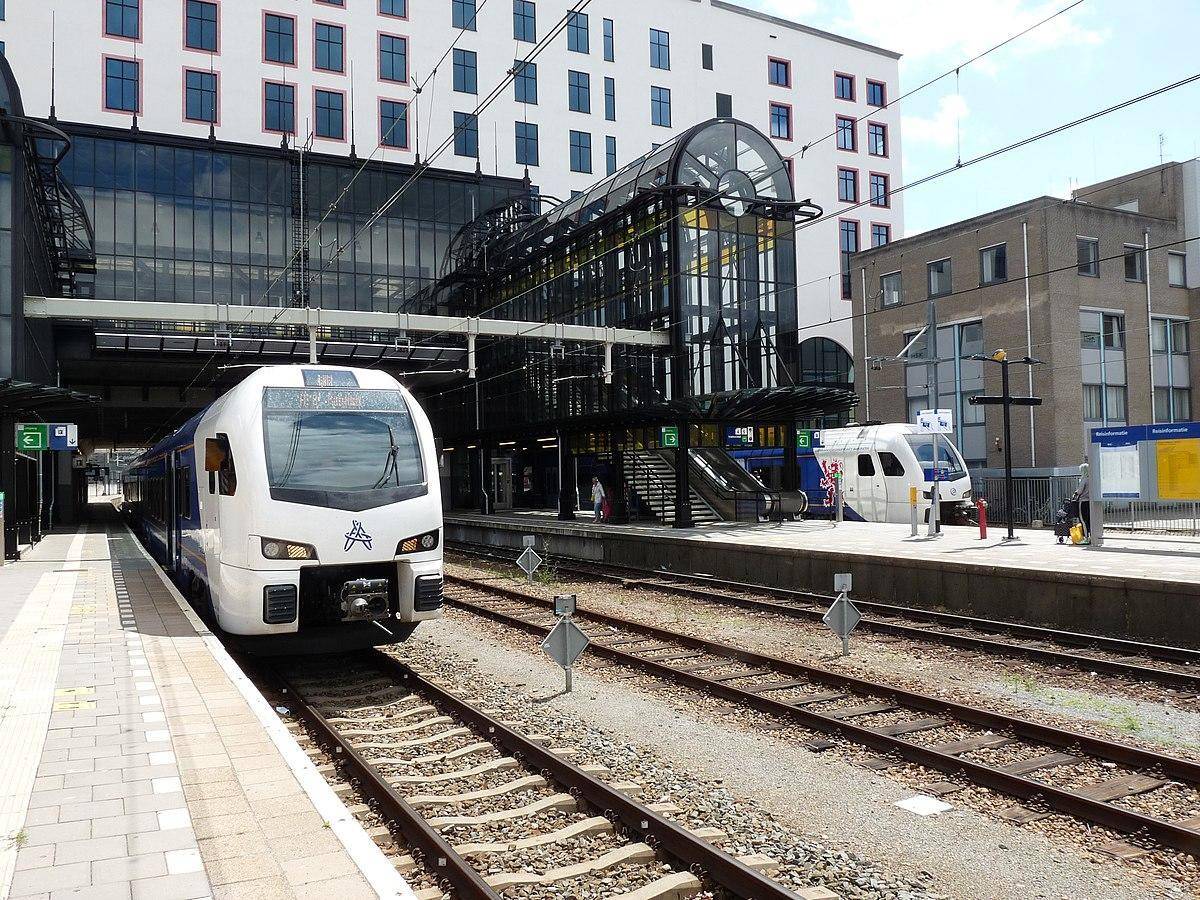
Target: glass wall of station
x,y
194,221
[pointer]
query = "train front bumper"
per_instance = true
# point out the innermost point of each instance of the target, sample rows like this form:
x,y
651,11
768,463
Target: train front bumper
x,y
280,601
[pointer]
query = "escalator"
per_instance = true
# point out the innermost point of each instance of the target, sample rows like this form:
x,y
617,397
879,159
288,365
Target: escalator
x,y
721,490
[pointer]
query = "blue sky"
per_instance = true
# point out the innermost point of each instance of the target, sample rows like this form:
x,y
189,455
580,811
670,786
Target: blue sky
x,y
1101,52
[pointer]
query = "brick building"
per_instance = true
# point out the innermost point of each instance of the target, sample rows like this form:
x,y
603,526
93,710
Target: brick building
x,y
1069,282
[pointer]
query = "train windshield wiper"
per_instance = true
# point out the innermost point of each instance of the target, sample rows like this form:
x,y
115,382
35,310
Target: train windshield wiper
x,y
391,464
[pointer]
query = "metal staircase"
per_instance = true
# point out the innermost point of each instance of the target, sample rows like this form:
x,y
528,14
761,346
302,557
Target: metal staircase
x,y
66,229
652,479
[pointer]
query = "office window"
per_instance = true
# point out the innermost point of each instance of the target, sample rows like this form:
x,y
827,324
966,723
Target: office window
x,y
846,138
525,81
958,380
200,96
393,58
781,121
581,152
466,134
1135,262
660,49
527,144
880,192
1172,376
1102,367
1176,269
525,22
397,8
610,49
200,32
880,235
577,32
706,56
939,275
1087,253
579,91
330,115
847,246
993,264
889,289
877,139
330,47
876,93
393,124
660,106
122,18
462,14
724,106
466,73
279,107
610,155
848,185
610,99
779,72
843,86
121,89
279,35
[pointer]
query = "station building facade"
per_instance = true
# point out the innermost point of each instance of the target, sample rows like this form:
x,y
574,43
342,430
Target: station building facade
x,y
612,82
1069,282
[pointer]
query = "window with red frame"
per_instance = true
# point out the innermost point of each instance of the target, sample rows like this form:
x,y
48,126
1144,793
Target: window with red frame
x,y
843,86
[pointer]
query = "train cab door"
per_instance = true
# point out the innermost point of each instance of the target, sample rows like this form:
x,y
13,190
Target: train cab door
x,y
179,509
870,496
895,483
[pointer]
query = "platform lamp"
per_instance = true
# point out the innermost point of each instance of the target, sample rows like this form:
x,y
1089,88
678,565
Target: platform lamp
x,y
1007,401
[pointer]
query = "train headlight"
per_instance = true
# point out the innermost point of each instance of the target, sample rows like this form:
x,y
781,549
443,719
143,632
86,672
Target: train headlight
x,y
274,548
418,544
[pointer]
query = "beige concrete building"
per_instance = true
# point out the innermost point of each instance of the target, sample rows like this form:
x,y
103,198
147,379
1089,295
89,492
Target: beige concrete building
x,y
1069,282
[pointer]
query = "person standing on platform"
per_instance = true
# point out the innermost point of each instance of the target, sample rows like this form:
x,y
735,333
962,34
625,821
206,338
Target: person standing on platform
x,y
597,497
1083,495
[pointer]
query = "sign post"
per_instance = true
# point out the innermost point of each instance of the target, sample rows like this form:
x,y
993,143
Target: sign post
x,y
566,641
935,422
843,616
528,562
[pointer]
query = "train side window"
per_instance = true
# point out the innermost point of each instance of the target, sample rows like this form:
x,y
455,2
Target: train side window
x,y
218,462
183,496
866,466
892,466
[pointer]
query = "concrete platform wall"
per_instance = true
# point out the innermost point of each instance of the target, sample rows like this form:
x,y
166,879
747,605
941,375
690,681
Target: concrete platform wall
x,y
1136,609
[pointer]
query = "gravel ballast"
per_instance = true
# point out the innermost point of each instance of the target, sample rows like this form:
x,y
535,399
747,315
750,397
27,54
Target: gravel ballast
x,y
830,823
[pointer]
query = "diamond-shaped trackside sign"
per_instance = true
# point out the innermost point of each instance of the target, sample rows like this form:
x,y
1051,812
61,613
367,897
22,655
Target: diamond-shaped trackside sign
x,y
843,617
565,642
529,561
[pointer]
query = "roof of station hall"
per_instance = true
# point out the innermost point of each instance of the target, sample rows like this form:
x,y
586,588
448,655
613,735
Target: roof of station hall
x,y
697,157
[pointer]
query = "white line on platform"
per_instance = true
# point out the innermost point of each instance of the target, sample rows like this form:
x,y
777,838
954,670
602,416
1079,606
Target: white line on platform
x,y
371,861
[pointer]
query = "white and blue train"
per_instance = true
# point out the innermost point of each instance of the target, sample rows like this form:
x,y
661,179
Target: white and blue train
x,y
301,511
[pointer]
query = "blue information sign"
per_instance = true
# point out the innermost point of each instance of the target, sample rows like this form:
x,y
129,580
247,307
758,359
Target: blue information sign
x,y
739,435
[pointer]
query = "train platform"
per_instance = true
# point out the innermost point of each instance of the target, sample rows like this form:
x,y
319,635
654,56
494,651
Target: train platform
x,y
1139,587
139,762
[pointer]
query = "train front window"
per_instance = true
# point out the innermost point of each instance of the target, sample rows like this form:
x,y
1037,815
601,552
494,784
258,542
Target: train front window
x,y
342,448
949,462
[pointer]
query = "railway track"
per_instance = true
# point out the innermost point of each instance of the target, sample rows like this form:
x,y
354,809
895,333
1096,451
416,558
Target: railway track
x,y
488,810
1177,668
1147,796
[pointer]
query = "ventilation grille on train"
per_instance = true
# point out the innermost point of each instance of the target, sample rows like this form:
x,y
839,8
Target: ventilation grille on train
x,y
279,604
427,595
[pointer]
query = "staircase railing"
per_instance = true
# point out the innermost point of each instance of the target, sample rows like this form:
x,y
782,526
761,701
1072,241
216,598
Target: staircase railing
x,y
661,498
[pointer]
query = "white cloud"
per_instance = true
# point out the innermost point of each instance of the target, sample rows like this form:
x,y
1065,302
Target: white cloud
x,y
942,128
946,31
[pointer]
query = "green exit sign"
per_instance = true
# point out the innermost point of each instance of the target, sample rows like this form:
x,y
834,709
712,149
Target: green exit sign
x,y
804,440
669,436
33,437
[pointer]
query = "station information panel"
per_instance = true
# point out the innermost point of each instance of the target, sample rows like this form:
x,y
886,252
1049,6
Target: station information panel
x,y
1148,462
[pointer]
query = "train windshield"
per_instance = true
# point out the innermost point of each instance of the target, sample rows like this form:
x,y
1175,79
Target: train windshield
x,y
950,464
342,448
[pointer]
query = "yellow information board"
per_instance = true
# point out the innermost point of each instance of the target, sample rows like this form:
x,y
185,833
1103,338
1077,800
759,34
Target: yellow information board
x,y
1178,469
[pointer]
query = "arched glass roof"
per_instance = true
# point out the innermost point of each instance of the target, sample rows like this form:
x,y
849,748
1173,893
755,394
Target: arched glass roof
x,y
699,157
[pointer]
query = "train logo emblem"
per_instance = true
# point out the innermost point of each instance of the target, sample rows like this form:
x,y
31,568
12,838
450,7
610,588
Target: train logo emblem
x,y
357,535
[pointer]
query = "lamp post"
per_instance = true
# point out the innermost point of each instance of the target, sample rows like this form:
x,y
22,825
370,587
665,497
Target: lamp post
x,y
1007,401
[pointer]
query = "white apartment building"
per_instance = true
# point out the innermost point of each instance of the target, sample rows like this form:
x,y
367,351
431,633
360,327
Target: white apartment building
x,y
619,78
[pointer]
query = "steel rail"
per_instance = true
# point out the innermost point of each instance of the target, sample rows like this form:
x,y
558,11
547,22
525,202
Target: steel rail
x,y
1118,818
651,580
446,863
661,833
